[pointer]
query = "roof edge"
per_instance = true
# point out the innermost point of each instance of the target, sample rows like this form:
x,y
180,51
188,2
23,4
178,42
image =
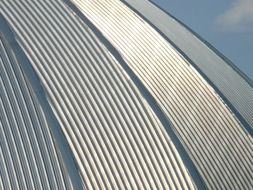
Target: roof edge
x,y
208,44
138,10
185,156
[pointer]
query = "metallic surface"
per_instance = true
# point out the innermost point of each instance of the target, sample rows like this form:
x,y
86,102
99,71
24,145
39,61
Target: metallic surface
x,y
220,147
117,140
235,87
111,94
29,158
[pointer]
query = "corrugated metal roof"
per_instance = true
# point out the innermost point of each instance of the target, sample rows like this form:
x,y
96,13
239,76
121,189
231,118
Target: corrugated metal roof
x,y
28,156
92,91
220,147
234,86
117,140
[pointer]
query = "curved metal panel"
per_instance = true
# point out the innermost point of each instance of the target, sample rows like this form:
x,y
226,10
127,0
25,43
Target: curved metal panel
x,y
29,158
117,140
214,137
231,84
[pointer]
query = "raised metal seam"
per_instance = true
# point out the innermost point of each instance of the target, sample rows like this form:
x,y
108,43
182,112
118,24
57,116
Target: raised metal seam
x,y
56,130
148,96
231,106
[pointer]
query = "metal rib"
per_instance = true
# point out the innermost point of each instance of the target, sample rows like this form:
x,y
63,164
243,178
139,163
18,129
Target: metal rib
x,y
221,148
221,73
29,157
117,140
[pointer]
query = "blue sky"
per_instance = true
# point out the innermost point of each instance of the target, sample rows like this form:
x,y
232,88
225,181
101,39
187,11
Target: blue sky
x,y
226,24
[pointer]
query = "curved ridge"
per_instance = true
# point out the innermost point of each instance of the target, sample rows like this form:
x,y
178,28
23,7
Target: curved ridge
x,y
148,96
29,157
117,140
209,130
211,66
226,59
42,121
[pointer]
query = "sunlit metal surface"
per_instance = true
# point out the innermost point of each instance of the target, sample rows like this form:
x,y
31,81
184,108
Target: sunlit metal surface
x,y
135,100
29,158
232,84
215,138
117,140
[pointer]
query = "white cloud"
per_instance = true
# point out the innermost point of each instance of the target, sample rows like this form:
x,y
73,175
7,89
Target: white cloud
x,y
239,17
